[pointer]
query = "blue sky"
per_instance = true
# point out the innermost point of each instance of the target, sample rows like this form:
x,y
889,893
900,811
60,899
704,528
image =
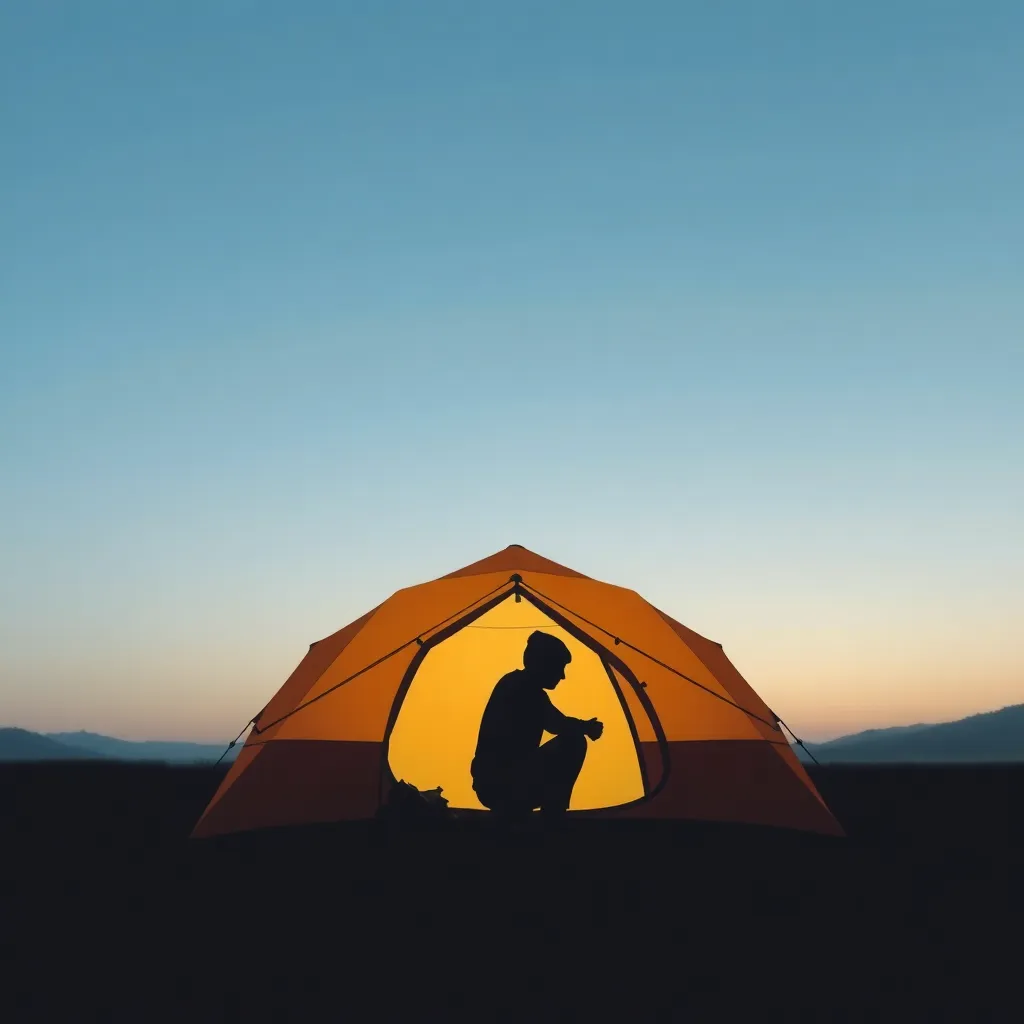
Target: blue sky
x,y
300,304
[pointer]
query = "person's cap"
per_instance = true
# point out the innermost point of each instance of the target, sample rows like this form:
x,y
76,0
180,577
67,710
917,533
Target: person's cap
x,y
541,646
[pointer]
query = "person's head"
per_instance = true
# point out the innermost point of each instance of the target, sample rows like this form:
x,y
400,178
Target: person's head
x,y
545,658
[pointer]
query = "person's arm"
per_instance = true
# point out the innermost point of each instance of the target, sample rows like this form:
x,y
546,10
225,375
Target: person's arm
x,y
555,722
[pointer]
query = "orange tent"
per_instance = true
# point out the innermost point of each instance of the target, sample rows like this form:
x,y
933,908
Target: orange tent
x,y
398,694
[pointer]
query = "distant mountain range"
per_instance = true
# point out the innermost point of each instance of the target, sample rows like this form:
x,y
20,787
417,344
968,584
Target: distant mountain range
x,y
22,745
995,736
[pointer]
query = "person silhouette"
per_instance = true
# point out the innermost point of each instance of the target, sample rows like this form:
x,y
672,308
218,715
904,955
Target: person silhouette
x,y
513,773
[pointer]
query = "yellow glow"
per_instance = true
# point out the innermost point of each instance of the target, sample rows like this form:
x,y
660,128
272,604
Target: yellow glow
x,y
434,737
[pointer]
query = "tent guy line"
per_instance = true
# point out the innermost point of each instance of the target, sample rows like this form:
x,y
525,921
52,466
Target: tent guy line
x,y
625,643
799,742
517,582
541,626
418,639
774,725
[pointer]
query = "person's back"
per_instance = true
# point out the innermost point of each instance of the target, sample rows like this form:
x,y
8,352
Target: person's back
x,y
511,727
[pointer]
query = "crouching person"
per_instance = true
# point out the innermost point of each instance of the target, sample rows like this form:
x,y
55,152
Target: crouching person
x,y
513,772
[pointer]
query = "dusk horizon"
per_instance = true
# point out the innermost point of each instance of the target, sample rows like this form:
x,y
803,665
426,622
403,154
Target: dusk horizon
x,y
719,305
810,735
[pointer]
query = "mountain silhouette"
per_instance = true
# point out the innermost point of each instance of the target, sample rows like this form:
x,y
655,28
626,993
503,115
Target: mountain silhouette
x,y
994,736
23,745
175,752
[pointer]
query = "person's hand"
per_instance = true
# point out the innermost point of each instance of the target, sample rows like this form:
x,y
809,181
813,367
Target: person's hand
x,y
593,728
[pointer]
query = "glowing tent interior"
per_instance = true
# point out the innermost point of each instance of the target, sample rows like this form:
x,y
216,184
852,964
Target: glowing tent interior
x,y
398,694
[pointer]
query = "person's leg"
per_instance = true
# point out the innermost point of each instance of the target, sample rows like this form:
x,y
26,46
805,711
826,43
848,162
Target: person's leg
x,y
561,760
509,801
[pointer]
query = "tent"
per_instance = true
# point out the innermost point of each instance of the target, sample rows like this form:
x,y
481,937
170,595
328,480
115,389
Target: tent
x,y
398,694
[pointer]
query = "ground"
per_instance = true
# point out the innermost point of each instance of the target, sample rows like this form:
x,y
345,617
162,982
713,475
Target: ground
x,y
109,912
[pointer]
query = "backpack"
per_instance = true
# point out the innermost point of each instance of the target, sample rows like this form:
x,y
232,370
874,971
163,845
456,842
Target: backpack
x,y
407,803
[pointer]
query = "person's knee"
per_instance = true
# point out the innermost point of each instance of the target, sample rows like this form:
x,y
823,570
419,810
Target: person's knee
x,y
575,745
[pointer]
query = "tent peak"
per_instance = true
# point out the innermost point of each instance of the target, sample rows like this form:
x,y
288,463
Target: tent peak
x,y
515,558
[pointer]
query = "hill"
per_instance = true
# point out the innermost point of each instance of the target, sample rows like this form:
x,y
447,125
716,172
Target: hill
x,y
22,745
174,752
994,736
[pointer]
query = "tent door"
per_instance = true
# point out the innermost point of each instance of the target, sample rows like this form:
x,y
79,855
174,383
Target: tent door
x,y
435,717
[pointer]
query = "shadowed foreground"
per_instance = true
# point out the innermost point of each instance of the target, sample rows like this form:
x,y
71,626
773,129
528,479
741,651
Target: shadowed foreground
x,y
109,912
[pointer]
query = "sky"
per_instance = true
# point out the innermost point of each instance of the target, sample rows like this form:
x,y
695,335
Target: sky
x,y
304,303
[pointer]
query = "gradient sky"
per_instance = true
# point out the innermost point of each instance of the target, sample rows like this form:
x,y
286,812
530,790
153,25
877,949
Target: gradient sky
x,y
303,303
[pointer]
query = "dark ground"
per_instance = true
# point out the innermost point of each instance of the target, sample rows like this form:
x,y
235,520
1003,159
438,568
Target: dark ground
x,y
109,912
